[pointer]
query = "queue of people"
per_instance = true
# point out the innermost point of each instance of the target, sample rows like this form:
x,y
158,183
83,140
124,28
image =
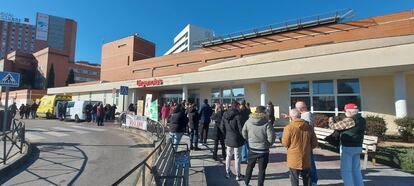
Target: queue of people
x,y
98,113
25,111
243,135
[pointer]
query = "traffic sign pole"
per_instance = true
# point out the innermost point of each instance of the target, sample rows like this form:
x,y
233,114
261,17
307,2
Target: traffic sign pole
x,y
123,103
6,111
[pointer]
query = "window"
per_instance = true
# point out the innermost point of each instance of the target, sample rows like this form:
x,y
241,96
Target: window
x,y
299,88
227,95
326,96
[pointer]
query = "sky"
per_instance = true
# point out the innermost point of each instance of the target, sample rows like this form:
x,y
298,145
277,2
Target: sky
x,y
102,21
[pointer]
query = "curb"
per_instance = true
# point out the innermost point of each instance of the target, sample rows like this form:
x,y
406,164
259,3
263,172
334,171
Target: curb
x,y
143,134
19,162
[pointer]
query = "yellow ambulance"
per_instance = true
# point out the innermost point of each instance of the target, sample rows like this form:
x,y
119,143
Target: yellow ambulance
x,y
49,105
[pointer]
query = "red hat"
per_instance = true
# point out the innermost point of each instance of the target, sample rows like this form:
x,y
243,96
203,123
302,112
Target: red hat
x,y
351,106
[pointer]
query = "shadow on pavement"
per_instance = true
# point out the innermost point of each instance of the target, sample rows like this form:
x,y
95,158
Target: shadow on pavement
x,y
65,157
215,176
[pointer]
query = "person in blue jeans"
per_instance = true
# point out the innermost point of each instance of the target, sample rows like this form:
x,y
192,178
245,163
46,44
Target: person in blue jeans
x,y
178,122
193,120
352,130
244,113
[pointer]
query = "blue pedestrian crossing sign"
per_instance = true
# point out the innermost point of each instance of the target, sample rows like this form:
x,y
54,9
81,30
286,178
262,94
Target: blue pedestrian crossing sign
x,y
9,79
123,90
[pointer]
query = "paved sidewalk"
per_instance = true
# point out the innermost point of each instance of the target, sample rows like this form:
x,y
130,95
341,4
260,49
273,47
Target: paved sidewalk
x,y
205,171
14,153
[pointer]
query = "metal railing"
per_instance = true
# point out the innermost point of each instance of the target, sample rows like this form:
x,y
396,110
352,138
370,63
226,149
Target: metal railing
x,y
289,25
144,168
15,136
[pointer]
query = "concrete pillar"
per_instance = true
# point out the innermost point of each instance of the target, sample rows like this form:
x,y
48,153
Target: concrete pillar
x,y
263,93
400,98
185,92
134,96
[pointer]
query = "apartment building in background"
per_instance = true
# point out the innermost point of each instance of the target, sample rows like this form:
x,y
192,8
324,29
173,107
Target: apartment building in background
x,y
188,39
32,50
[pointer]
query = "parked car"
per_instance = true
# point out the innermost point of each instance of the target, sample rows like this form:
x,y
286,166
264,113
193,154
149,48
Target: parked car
x,y
76,110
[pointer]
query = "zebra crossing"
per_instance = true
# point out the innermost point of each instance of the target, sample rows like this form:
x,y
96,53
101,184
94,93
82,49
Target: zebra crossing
x,y
38,134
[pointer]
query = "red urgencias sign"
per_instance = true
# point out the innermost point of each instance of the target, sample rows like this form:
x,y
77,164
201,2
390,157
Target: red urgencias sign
x,y
149,83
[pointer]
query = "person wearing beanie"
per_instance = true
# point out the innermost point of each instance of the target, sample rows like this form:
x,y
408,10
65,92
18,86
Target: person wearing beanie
x,y
352,130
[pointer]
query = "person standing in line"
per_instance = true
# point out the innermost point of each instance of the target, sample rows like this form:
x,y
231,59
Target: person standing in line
x,y
131,107
178,121
22,110
234,140
352,130
93,112
244,113
88,111
193,120
27,111
205,118
299,138
307,116
172,107
33,110
113,109
219,137
165,111
260,135
100,114
270,111
13,110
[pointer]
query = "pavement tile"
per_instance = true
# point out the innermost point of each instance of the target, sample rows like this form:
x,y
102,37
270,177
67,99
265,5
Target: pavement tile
x,y
206,171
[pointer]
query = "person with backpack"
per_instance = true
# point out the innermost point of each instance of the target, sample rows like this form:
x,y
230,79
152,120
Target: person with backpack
x,y
234,140
260,135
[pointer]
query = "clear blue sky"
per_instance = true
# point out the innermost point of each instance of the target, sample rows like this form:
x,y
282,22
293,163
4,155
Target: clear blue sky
x,y
101,21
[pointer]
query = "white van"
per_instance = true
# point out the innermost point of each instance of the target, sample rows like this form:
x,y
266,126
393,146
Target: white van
x,y
76,110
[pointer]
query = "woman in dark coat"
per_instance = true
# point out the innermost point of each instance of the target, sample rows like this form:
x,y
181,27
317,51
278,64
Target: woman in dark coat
x,y
232,126
219,136
178,121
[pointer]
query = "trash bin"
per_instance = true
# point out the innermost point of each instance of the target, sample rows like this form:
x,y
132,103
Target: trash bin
x,y
8,125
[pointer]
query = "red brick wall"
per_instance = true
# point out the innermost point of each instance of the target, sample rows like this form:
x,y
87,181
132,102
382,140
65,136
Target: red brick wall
x,y
116,68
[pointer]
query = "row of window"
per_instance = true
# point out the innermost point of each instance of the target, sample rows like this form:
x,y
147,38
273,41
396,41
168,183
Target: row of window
x,y
326,96
321,96
83,79
227,95
84,71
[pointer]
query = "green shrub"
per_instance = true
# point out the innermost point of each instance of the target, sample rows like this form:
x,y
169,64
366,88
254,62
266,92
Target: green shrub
x,y
406,127
320,120
397,157
376,126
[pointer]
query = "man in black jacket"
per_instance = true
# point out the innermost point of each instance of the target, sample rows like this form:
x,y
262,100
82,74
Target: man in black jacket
x,y
193,119
178,121
219,137
232,128
205,118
